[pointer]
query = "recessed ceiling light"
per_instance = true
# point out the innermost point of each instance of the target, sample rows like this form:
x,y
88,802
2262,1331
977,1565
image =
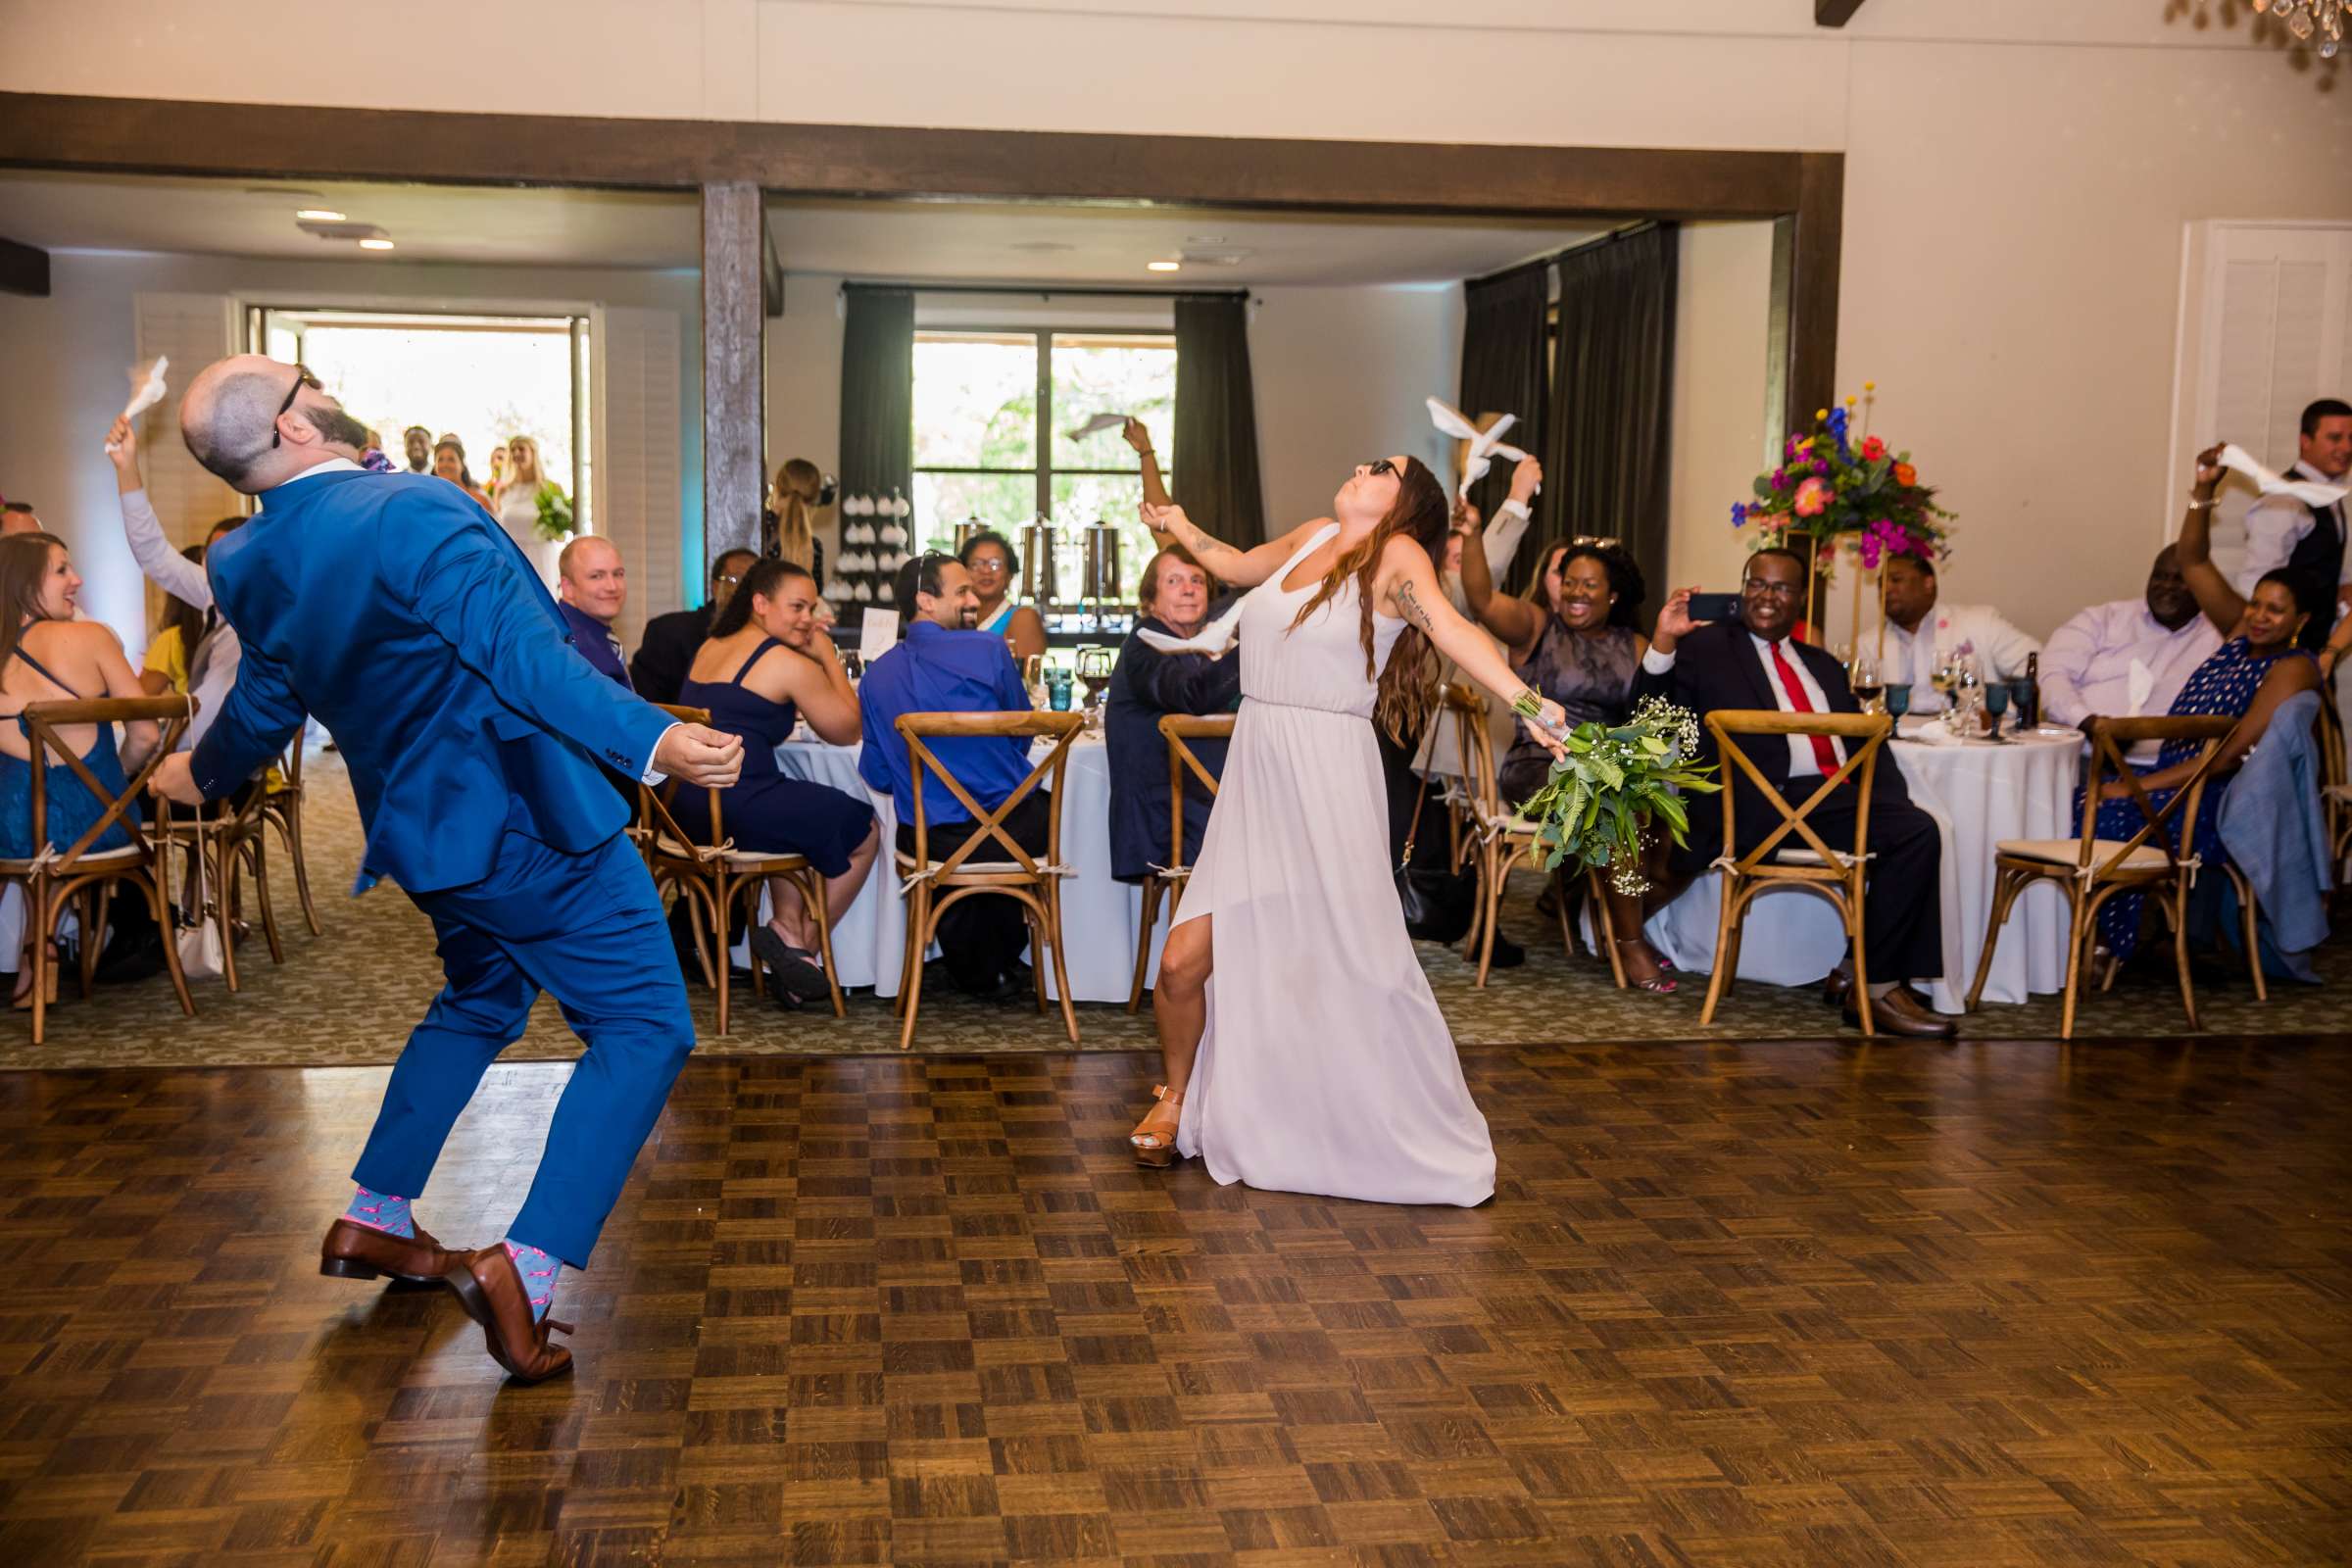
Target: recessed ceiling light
x,y
318,215
1163,266
376,244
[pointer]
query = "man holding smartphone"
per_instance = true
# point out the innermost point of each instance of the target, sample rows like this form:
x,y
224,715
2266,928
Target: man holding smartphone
x,y
1753,662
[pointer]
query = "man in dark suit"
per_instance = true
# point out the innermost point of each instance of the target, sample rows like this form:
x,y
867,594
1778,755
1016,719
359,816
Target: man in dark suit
x,y
667,651
400,614
1755,662
1147,684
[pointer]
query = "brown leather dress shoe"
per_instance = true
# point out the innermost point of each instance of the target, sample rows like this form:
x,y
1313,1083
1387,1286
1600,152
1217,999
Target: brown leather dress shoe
x,y
1897,1013
355,1251
495,1296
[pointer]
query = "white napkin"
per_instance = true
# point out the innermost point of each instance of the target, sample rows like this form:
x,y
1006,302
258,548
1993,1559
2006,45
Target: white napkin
x,y
146,387
1100,422
2310,492
1212,639
1935,732
1485,445
2139,682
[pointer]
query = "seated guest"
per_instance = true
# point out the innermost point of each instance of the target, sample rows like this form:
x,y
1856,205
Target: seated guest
x,y
1173,598
1572,639
989,558
945,667
591,587
765,663
1923,634
1754,662
669,643
48,656
2128,657
2283,533
209,643
2259,667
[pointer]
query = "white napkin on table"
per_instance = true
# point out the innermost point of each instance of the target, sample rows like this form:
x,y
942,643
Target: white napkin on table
x,y
2308,491
1930,732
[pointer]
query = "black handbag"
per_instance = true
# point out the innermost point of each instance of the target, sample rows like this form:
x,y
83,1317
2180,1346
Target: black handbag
x,y
1438,903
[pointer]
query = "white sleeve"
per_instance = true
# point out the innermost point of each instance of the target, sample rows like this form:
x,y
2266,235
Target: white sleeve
x,y
1656,663
651,774
1501,537
2064,662
2274,526
165,567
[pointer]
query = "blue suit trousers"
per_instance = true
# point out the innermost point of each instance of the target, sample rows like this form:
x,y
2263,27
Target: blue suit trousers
x,y
588,930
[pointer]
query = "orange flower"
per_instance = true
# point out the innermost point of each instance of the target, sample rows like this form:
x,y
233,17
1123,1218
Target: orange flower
x,y
1905,474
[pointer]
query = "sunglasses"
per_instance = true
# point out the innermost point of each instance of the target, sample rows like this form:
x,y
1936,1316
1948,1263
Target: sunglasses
x,y
302,378
1378,466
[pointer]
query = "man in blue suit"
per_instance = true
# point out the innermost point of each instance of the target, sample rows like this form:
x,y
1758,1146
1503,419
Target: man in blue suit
x,y
398,612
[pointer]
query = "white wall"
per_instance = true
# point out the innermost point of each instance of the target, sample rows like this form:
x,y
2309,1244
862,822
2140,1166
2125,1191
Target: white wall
x,y
2019,172
1723,308
803,387
64,356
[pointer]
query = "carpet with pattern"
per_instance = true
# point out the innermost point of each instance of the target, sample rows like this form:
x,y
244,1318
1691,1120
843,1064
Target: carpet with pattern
x,y
349,997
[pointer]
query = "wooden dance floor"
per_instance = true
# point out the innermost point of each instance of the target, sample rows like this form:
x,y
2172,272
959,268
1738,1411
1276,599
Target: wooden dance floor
x,y
1733,1304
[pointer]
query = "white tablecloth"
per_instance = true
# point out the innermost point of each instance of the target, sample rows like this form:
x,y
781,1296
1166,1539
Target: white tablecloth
x,y
1098,915
1980,793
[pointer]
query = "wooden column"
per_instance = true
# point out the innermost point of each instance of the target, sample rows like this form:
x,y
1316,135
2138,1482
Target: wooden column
x,y
734,368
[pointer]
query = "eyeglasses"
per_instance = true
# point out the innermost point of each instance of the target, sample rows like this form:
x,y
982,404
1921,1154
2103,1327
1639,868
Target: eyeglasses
x,y
302,378
1758,588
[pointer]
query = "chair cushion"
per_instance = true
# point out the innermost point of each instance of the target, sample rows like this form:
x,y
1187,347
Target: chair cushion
x,y
908,862
2069,852
1805,855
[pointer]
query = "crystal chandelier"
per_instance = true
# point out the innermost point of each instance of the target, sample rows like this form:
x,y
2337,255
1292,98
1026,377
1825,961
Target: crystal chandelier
x,y
2305,18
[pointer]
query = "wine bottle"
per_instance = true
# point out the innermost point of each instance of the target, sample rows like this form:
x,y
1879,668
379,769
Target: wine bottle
x,y
2029,705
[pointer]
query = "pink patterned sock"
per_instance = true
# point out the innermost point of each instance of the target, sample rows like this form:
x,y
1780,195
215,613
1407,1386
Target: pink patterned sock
x,y
539,1270
380,1211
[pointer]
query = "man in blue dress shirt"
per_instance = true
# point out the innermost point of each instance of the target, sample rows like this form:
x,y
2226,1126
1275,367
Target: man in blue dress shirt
x,y
944,666
397,611
591,587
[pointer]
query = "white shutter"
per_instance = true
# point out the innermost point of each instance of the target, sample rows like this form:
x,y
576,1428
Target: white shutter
x,y
194,329
637,495
2277,333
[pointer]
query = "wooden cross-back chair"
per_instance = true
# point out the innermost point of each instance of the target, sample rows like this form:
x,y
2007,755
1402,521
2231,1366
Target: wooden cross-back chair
x,y
1178,730
225,838
1491,840
2094,870
936,886
281,808
712,876
2335,789
55,877
1773,860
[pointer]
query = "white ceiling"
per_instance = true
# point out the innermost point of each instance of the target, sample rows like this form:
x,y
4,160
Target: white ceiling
x,y
934,242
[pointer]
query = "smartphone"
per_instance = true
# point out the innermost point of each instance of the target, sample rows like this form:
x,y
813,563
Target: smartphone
x,y
1714,606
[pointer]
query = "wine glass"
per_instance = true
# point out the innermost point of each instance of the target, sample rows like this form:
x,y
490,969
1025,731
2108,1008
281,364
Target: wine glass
x,y
1995,695
1867,686
1896,695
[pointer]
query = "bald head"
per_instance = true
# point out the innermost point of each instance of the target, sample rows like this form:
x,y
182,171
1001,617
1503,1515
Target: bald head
x,y
230,420
592,579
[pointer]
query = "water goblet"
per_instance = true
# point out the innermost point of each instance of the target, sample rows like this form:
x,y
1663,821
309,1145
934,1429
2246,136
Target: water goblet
x,y
1995,695
1896,695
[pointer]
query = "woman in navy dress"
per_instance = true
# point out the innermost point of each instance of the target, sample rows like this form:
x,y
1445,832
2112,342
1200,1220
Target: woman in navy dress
x,y
765,665
46,656
2247,677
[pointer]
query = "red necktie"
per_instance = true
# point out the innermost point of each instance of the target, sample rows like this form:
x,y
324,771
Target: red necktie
x,y
1824,753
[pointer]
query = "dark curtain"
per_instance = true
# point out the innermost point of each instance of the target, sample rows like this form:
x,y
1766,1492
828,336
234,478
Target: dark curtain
x,y
1503,370
1216,456
878,393
1605,442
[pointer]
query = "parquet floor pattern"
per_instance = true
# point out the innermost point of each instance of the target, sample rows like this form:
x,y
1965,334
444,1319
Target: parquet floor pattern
x,y
1732,1304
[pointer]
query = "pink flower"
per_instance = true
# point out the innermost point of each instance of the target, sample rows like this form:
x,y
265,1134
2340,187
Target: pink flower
x,y
1812,497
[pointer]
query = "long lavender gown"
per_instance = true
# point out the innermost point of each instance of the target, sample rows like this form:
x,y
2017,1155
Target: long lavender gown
x,y
1326,1066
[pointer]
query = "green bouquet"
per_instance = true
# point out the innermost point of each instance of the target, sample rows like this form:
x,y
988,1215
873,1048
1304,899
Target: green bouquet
x,y
1613,784
554,514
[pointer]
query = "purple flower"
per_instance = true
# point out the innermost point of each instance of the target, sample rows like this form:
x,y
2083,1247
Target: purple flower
x,y
1738,514
1780,478
1821,466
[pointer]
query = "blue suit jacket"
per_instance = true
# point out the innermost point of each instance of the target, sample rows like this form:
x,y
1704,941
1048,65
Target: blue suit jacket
x,y
400,614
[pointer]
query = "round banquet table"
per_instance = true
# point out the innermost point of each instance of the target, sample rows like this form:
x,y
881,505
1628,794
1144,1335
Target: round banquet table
x,y
1980,791
1098,915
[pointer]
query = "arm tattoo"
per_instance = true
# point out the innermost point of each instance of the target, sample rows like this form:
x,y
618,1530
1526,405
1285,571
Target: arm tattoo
x,y
1409,607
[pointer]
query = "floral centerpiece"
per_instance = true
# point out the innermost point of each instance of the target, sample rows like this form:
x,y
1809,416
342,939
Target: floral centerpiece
x,y
1613,784
1829,488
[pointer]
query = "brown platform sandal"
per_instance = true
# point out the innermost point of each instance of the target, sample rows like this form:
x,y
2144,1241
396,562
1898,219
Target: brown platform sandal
x,y
1155,1137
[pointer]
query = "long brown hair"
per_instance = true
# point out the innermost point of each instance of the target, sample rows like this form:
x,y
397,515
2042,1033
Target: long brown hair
x,y
798,485
1421,514
23,568
178,611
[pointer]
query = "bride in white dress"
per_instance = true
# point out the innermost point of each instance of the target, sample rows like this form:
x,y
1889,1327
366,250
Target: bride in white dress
x,y
1304,1049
